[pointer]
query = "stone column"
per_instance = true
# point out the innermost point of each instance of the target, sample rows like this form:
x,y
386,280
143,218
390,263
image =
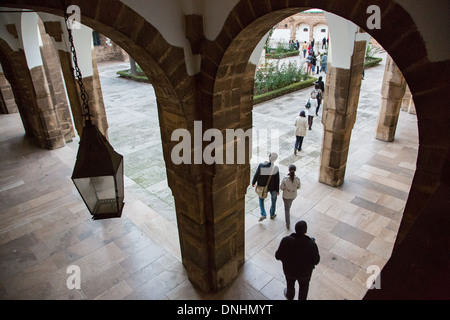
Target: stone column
x,y
51,134
93,88
210,207
342,88
56,28
392,92
210,198
8,103
24,69
412,107
339,114
56,85
406,101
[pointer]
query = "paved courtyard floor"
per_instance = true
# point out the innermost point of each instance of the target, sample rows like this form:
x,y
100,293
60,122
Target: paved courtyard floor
x,y
44,227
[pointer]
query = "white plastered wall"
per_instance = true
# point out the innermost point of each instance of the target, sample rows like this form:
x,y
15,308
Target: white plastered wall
x,y
6,19
343,34
168,18
31,39
82,38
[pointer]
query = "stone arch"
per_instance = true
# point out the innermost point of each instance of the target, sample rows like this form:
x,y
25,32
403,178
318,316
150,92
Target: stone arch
x,y
225,65
179,104
163,63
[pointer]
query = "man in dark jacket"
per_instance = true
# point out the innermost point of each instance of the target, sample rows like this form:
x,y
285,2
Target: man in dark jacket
x,y
261,177
299,255
321,85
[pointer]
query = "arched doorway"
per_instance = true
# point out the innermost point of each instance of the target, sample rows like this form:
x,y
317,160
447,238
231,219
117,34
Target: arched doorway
x,y
242,42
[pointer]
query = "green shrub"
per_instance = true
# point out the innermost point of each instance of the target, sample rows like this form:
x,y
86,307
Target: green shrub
x,y
285,90
139,76
275,77
371,62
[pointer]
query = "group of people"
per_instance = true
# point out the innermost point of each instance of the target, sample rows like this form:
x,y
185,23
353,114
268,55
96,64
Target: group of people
x,y
306,117
315,62
267,176
298,252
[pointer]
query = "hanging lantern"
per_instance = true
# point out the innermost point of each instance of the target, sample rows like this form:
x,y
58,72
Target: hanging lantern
x,y
98,172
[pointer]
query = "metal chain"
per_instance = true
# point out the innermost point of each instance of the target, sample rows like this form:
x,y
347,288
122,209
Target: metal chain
x,y
77,72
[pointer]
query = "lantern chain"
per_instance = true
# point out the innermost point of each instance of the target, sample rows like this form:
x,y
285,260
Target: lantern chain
x,y
77,72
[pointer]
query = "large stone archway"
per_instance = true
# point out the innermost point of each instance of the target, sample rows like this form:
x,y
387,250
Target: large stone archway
x,y
177,102
208,198
225,59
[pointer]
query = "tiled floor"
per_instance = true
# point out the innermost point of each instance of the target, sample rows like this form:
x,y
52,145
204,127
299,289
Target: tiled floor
x,y
44,226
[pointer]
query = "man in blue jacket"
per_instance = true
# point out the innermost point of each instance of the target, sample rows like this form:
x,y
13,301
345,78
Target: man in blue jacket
x,y
299,255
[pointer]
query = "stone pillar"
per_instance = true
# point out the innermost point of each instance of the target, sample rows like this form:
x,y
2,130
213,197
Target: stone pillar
x,y
51,134
342,88
25,72
210,208
412,107
339,114
46,118
56,85
406,101
91,79
7,101
210,198
392,92
93,89
96,103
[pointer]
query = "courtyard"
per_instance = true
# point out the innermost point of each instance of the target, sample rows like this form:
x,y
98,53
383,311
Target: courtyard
x,y
45,229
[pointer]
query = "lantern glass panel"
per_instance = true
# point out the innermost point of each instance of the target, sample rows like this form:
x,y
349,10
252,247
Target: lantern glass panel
x,y
98,193
120,183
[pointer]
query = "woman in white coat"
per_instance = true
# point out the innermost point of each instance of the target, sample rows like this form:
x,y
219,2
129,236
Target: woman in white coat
x,y
289,186
300,130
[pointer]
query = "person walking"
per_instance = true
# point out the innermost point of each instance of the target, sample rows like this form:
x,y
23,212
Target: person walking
x,y
309,61
323,62
322,88
268,175
318,63
321,84
289,185
299,254
318,94
304,48
301,124
311,110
